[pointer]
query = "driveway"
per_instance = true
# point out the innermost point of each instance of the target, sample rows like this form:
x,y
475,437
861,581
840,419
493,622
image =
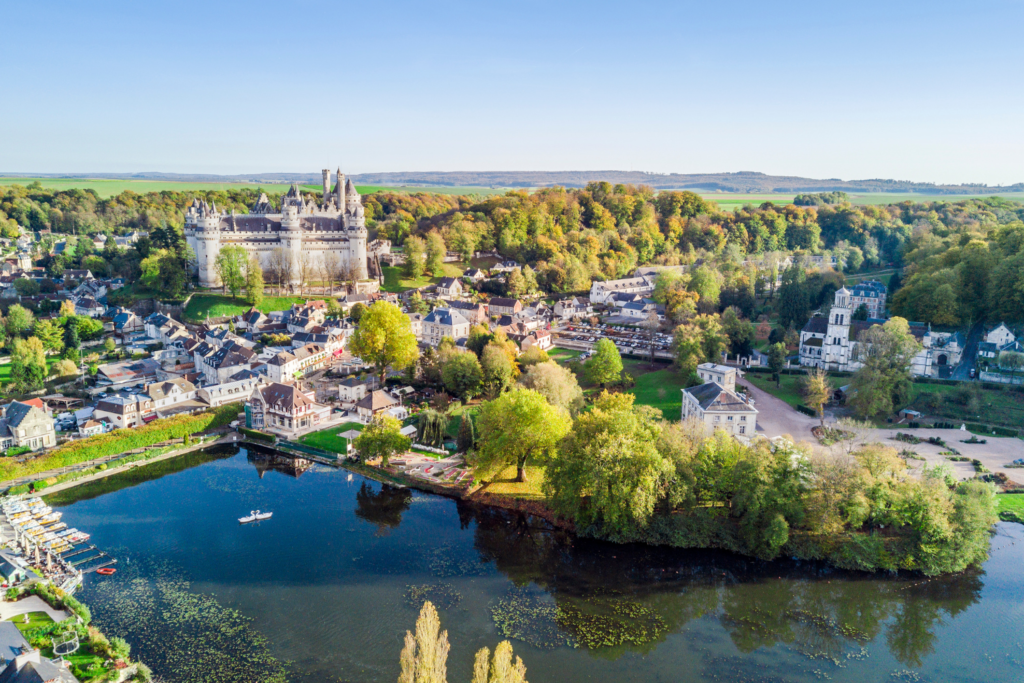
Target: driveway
x,y
775,417
969,358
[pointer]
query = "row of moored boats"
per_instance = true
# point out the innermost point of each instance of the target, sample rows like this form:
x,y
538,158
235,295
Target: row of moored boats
x,y
33,517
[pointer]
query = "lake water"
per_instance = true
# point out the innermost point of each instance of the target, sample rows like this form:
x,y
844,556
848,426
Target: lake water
x,y
326,589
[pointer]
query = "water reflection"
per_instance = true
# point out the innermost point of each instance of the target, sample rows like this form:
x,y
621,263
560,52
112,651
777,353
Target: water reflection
x,y
382,505
629,597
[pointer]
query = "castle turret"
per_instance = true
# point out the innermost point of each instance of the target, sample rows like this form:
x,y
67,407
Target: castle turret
x,y
291,240
340,189
202,232
327,184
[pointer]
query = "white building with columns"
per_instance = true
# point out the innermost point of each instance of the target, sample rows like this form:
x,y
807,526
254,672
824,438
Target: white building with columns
x,y
303,233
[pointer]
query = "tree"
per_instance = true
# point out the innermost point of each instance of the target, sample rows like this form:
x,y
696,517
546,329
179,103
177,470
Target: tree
x,y
254,282
279,267
384,337
817,390
65,368
533,356
555,383
415,251
609,470
436,252
431,427
466,439
794,300
461,374
497,369
26,287
777,361
230,268
67,308
741,333
424,656
50,334
501,669
861,313
330,265
72,339
382,438
417,304
515,284
517,428
358,311
605,366
883,381
307,269
479,337
1012,361
707,283
109,345
28,364
19,320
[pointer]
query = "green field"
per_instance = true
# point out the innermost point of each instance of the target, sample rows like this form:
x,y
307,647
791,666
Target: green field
x,y
395,281
216,305
5,369
328,440
789,391
563,356
662,389
731,201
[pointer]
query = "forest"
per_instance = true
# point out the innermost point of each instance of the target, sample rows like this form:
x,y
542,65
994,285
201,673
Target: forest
x,y
949,255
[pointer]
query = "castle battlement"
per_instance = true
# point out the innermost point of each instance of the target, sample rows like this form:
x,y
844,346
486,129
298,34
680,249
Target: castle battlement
x,y
304,234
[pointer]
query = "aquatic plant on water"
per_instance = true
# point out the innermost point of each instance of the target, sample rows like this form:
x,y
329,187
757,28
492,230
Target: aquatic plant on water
x,y
443,595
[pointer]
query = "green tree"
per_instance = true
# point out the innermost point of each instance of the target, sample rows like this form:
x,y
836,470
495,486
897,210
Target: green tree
x,y
555,383
415,257
431,427
417,304
19,320
497,369
479,337
461,374
382,438
230,266
883,381
28,364
72,339
358,311
533,356
794,303
518,428
466,439
1012,361
605,366
609,470
425,655
861,313
254,282
777,361
436,251
26,287
741,332
707,283
384,337
51,335
109,345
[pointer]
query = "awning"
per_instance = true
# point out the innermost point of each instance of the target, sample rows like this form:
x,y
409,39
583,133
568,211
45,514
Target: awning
x,y
149,418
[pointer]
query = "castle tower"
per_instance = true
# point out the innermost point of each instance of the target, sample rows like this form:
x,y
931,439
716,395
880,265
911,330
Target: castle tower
x,y
291,240
837,341
206,235
327,184
340,189
355,221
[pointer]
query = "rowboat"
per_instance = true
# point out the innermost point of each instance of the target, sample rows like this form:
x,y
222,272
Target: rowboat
x,y
255,516
106,571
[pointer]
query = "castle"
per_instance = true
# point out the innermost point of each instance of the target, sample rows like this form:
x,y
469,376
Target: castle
x,y
303,236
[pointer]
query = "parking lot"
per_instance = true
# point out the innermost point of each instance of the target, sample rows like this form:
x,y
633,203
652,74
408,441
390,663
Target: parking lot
x,y
629,340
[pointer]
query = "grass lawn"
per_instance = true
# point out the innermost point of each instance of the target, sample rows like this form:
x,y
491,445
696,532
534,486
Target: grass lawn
x,y
563,356
1011,501
395,280
328,440
5,368
661,389
504,484
455,418
35,620
217,305
995,407
790,389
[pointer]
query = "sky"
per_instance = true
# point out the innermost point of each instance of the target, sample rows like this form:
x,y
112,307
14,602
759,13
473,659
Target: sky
x,y
909,90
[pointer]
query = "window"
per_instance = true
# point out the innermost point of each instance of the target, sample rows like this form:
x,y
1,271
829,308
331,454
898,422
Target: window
x,y
718,418
729,418
743,418
743,429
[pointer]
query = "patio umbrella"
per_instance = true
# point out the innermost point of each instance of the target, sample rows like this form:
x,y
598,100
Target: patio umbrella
x,y
49,561
37,554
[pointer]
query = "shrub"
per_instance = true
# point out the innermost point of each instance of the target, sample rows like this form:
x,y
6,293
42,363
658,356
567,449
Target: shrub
x,y
807,411
120,648
257,435
121,441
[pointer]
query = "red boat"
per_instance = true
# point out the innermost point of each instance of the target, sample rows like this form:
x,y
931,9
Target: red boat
x,y
106,571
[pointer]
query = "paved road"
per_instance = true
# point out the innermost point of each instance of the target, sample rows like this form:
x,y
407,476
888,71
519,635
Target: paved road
x,y
969,359
775,417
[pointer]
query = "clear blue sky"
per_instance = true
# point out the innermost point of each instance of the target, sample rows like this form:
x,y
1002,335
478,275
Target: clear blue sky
x,y
928,91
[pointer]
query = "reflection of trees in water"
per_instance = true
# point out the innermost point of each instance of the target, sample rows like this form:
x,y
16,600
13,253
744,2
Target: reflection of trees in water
x,y
382,507
819,611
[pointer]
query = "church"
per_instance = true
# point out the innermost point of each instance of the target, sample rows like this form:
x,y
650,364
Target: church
x,y
304,235
830,342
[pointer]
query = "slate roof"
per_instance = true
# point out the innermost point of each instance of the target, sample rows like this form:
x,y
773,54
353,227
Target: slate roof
x,y
447,282
715,398
17,412
376,400
502,301
817,325
445,316
284,397
162,389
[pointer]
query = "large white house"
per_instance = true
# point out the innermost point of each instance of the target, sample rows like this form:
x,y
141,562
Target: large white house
x,y
601,292
444,322
716,403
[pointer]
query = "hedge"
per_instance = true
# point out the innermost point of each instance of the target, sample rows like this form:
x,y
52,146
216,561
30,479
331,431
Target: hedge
x,y
807,411
258,436
998,431
121,441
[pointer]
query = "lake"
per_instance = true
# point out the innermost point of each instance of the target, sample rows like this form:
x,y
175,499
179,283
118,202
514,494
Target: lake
x,y
326,589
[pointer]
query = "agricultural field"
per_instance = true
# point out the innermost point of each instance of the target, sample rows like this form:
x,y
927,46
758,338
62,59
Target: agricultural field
x,y
728,201
217,305
106,188
328,440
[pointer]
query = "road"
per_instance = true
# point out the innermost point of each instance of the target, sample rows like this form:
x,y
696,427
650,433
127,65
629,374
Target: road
x,y
969,359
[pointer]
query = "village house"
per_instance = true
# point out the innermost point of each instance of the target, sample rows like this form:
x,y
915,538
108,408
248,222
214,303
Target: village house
x,y
352,389
127,373
473,311
224,362
91,428
500,305
238,388
444,322
474,275
28,424
716,403
284,409
126,322
285,366
377,402
169,393
125,412
573,309
449,287
89,307
601,292
416,324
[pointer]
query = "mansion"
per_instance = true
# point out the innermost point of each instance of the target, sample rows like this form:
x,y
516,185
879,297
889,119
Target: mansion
x,y
303,236
831,342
